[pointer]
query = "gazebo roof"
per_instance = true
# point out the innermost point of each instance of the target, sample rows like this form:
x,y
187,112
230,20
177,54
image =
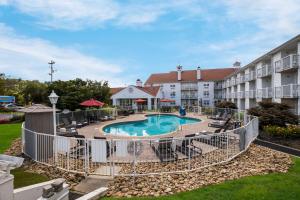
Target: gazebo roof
x,y
37,108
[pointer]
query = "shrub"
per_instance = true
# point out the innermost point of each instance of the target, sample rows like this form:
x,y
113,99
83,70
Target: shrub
x,y
226,104
5,110
290,131
271,113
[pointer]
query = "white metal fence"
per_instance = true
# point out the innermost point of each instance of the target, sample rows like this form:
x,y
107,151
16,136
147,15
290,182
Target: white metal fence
x,y
134,157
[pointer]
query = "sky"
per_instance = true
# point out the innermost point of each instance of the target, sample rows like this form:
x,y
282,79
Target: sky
x,y
122,40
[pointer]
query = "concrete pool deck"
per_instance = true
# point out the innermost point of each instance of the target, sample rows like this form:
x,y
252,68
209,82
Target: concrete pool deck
x,y
97,128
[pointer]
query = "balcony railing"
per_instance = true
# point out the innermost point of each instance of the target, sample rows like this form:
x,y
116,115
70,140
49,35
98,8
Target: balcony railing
x,y
218,96
218,86
233,81
234,95
289,62
242,79
252,75
189,87
264,93
250,94
287,91
241,95
265,70
189,96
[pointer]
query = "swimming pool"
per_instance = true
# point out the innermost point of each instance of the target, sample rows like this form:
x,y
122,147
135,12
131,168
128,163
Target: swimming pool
x,y
153,125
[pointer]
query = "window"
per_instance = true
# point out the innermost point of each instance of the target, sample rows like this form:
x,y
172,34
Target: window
x,y
206,93
172,86
206,85
206,102
173,94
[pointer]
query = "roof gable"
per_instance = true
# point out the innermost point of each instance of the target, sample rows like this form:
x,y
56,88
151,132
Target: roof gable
x,y
135,92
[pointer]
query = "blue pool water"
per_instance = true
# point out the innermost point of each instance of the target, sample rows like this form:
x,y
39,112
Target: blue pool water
x,y
153,125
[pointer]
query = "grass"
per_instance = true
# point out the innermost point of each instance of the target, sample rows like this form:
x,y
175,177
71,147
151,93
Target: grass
x,y
8,133
23,178
275,186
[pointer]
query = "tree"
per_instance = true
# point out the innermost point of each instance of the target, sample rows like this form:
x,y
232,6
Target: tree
x,y
73,92
271,113
226,104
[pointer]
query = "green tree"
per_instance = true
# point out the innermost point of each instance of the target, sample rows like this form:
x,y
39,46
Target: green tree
x,y
226,104
271,113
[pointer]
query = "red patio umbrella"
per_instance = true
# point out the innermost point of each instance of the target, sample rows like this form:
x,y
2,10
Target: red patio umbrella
x,y
140,100
92,102
167,100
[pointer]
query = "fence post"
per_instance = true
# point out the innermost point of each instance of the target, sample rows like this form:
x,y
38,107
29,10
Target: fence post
x,y
189,154
227,145
134,158
86,158
112,159
35,147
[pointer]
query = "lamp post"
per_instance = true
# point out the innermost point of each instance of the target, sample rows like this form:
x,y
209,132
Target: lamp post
x,y
53,99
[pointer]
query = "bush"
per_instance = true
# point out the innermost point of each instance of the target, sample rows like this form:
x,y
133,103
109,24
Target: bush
x,y
271,113
291,131
226,104
5,110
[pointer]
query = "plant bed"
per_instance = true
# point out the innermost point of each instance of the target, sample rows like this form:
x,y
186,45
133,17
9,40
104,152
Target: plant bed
x,y
289,142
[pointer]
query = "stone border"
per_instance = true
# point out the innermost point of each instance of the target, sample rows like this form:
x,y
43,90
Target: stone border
x,y
278,147
257,160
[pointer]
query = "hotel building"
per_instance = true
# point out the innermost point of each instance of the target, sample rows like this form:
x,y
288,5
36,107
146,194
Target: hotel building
x,y
274,76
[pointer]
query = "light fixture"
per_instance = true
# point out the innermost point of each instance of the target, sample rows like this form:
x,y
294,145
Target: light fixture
x,y
53,97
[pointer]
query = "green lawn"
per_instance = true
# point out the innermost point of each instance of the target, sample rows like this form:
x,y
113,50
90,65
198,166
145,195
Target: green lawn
x,y
273,186
9,132
23,178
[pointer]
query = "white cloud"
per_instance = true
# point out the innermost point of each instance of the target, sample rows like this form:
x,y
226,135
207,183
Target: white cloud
x,y
269,15
28,57
266,24
79,14
67,14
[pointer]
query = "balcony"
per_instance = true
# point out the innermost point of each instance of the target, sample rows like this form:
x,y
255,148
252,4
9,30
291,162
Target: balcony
x,y
241,95
265,70
218,96
233,82
250,94
289,62
218,86
287,91
234,95
189,96
252,75
242,79
189,87
264,93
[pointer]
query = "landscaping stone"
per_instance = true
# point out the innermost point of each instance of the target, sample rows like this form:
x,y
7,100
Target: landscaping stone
x,y
256,160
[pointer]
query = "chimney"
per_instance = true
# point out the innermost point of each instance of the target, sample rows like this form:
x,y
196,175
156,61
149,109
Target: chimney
x,y
237,64
139,83
198,73
179,69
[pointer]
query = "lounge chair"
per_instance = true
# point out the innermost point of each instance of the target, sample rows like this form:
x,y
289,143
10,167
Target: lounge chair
x,y
109,149
67,123
219,116
164,150
188,148
219,123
